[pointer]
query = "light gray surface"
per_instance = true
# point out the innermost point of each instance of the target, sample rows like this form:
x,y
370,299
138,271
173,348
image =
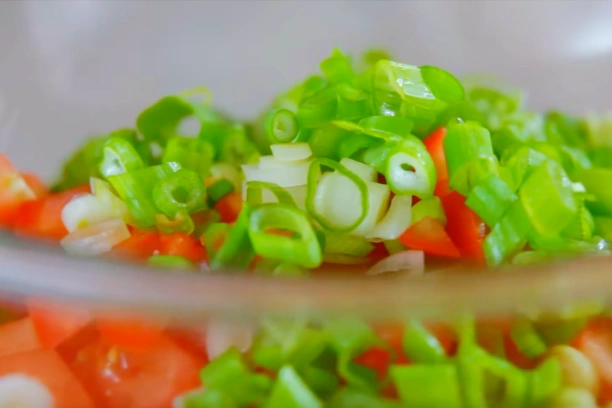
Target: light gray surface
x,y
68,69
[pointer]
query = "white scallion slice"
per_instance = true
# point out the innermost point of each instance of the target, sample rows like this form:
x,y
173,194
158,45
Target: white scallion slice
x,y
95,239
291,151
397,219
22,391
365,172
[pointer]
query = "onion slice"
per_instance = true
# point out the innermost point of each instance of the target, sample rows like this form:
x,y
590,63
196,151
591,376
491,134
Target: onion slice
x,y
411,261
395,222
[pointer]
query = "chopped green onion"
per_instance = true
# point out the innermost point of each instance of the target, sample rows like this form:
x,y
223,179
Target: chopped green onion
x,y
429,207
319,200
521,162
291,152
190,153
365,172
135,189
350,337
181,222
508,236
508,386
303,249
492,105
548,199
119,157
349,398
581,226
409,169
442,84
469,156
255,193
601,157
337,68
180,191
229,374
169,261
603,227
394,83
206,399
318,109
427,385
391,125
161,120
527,339
236,251
352,103
326,140
218,190
518,129
281,126
545,382
347,244
491,199
597,182
420,345
289,391
398,218
215,236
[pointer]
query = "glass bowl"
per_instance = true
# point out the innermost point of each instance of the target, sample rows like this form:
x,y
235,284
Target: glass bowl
x,y
74,69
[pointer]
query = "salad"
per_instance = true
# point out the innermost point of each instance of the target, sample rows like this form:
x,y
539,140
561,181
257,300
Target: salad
x,y
373,167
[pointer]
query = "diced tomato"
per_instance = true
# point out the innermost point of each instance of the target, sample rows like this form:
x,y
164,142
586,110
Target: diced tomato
x,y
36,184
56,323
14,190
194,341
129,334
445,335
464,227
182,245
379,252
595,341
48,368
140,246
18,336
117,378
516,356
429,236
229,206
377,359
42,218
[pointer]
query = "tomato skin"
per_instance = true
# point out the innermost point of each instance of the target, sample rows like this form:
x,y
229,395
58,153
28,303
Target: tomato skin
x,y
138,247
129,334
48,368
118,378
595,342
11,198
18,336
182,245
42,218
55,323
464,227
429,236
229,206
377,359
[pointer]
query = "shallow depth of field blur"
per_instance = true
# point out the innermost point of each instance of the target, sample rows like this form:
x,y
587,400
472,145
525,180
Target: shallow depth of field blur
x,y
69,69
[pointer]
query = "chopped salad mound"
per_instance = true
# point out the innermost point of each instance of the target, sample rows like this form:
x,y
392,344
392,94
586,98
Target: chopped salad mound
x,y
373,167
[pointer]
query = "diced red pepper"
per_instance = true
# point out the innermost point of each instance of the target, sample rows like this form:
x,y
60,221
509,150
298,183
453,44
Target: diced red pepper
x,y
435,146
464,227
182,245
429,236
18,336
129,334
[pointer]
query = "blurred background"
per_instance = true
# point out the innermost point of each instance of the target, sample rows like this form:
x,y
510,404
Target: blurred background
x,y
69,69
